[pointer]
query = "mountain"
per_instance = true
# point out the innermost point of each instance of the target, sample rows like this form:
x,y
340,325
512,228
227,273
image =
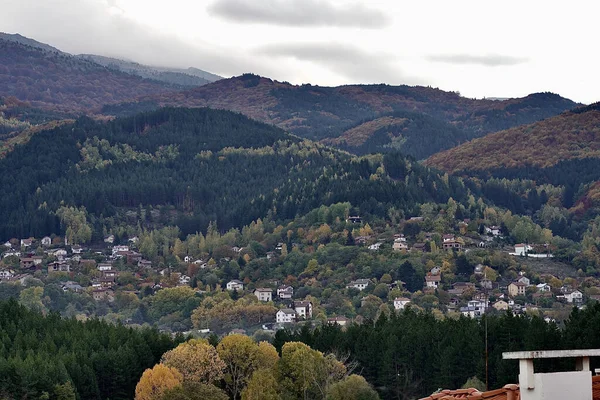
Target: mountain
x,y
190,77
320,113
197,166
572,135
418,135
58,81
16,38
563,151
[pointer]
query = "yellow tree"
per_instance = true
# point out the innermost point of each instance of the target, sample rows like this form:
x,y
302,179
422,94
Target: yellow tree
x,y
197,361
155,381
242,357
262,386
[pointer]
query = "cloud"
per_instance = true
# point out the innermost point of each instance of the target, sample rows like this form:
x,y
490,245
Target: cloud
x,y
488,60
299,13
352,62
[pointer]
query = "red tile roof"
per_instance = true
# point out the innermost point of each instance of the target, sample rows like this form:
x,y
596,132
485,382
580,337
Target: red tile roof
x,y
508,392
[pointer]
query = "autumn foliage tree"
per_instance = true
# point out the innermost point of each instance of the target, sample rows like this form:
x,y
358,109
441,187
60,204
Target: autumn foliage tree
x,y
196,360
154,382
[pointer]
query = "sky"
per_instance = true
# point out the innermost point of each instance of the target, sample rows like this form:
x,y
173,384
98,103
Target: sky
x,y
481,48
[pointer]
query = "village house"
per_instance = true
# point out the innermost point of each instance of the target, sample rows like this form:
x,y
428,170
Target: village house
x,y
104,267
235,285
184,280
448,238
72,287
400,303
521,249
111,273
110,239
432,281
144,264
543,287
517,289
58,267
6,274
103,294
375,246
452,245
285,316
354,220
58,253
574,297
341,321
399,237
133,257
419,247
474,309
11,253
26,242
399,246
359,284
493,230
46,241
303,309
37,260
264,294
27,263
119,248
8,244
478,270
285,292
500,305
76,249
525,280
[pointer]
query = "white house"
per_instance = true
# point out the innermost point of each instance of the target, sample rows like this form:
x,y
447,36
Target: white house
x,y
359,284
109,239
522,249
285,292
235,285
184,280
525,280
6,274
433,281
119,248
399,246
263,294
104,267
474,309
77,249
574,297
286,315
26,242
46,241
11,253
448,238
8,245
375,246
493,230
400,303
543,287
303,309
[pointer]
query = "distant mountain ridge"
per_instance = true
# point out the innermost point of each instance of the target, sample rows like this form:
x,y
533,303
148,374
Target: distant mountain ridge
x,y
326,113
50,79
190,77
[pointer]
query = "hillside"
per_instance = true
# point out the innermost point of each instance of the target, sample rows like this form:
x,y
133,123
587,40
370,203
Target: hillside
x,y
190,77
417,135
327,112
179,159
572,135
57,81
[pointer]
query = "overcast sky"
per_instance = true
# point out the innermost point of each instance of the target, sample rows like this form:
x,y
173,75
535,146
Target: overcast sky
x,y
482,48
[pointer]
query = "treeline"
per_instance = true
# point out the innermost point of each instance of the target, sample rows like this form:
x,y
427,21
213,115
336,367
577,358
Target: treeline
x,y
208,166
413,354
49,357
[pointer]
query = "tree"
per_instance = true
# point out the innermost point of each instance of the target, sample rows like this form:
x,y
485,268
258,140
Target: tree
x,y
239,353
32,298
154,382
66,391
77,230
354,387
262,386
196,360
194,391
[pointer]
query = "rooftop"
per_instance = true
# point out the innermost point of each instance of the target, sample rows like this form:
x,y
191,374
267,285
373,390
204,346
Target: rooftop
x,y
520,355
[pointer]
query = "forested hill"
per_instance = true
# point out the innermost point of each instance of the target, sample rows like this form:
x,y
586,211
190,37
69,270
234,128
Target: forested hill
x,y
197,166
320,112
572,135
57,81
563,150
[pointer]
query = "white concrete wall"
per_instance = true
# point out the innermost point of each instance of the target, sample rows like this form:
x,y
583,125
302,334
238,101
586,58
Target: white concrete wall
x,y
575,385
